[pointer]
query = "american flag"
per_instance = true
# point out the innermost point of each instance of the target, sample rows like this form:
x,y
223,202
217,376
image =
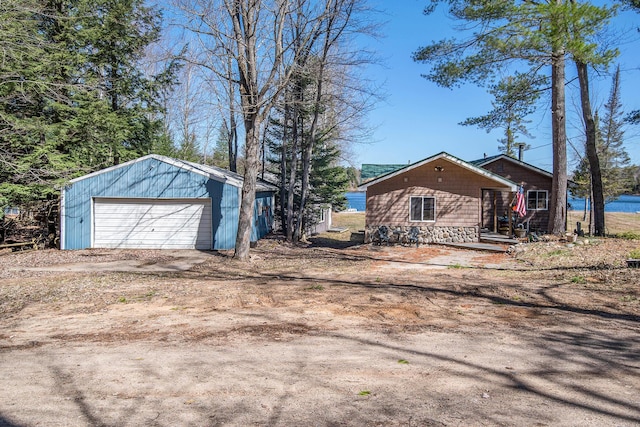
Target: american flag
x,y
520,206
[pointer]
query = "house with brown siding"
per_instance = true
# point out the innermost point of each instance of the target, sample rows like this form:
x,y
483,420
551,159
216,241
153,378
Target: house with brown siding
x,y
440,195
536,183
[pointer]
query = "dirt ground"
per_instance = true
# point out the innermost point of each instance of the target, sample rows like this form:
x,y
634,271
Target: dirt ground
x,y
547,335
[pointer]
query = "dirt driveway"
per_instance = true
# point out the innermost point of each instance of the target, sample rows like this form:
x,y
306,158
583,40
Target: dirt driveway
x,y
433,336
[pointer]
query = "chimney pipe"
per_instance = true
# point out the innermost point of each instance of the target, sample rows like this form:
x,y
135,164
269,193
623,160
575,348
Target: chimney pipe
x,y
520,150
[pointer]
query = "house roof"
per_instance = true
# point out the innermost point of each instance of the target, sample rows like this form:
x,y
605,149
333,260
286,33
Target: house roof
x,y
370,170
485,161
446,156
212,172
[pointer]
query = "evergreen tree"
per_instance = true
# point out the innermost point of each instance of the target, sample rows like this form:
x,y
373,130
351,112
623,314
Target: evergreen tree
x,y
220,155
614,159
164,146
514,99
529,36
114,35
329,181
73,97
35,97
189,150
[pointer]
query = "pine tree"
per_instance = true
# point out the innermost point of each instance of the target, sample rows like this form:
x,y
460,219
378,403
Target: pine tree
x,y
189,150
514,99
73,97
614,159
530,36
616,175
220,155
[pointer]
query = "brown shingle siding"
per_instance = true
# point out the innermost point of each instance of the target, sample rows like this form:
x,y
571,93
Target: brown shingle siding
x,y
457,195
530,179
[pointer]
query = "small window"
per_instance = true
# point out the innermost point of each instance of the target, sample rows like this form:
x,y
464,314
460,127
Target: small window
x,y
422,209
321,217
537,200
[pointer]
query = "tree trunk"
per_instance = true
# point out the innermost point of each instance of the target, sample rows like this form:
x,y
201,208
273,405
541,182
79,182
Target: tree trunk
x,y
283,171
245,220
293,172
233,126
558,203
592,153
311,140
244,24
591,220
304,191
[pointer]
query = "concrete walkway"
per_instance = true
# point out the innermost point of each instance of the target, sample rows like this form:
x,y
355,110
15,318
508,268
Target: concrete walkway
x,y
480,246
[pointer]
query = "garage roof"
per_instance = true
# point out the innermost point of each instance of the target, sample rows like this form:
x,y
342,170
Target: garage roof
x,y
212,172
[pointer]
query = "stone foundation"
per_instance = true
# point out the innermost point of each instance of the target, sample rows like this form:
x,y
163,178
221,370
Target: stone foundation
x,y
428,234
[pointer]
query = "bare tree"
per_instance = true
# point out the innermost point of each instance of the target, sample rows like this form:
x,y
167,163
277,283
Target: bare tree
x,y
323,75
252,36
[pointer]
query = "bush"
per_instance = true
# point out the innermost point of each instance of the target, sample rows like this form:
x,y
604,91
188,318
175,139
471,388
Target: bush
x,y
628,235
635,254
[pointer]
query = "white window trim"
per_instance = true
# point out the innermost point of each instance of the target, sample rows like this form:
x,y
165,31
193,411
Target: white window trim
x,y
422,210
546,198
322,217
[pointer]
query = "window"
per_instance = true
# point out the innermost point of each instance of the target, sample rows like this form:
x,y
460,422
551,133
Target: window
x,y
321,217
422,209
537,200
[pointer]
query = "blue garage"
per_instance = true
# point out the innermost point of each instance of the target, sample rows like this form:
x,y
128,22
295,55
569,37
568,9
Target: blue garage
x,y
156,202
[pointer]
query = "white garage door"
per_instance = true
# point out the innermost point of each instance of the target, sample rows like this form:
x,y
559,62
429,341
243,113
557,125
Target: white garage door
x,y
152,223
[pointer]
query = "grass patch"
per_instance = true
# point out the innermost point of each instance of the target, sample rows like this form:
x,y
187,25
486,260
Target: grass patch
x,y
578,279
628,235
629,298
144,297
364,393
634,254
352,221
403,362
315,288
557,252
617,223
456,266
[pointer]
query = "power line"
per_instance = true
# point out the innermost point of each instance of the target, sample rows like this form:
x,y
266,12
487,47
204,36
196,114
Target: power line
x,y
540,146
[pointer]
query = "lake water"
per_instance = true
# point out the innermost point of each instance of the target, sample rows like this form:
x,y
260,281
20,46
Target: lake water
x,y
623,203
357,200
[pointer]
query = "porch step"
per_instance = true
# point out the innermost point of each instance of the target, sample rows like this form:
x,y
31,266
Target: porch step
x,y
497,238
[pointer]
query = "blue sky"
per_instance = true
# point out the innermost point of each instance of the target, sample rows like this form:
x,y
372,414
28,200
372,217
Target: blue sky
x,y
419,119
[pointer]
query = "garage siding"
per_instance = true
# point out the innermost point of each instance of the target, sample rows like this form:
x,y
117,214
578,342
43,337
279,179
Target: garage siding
x,y
148,178
152,223
156,177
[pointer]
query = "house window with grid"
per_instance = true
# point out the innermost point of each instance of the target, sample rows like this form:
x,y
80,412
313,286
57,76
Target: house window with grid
x,y
537,200
422,209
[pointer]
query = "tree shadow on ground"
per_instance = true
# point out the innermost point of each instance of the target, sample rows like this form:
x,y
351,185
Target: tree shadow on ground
x,y
337,240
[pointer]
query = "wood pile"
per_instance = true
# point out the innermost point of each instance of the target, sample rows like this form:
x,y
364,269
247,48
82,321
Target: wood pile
x,y
30,227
